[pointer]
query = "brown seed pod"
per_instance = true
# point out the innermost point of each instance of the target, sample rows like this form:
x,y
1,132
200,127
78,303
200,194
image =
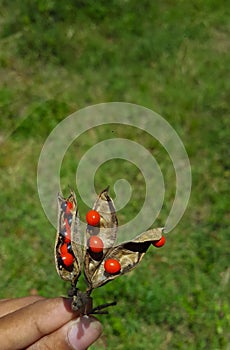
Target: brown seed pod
x,y
73,252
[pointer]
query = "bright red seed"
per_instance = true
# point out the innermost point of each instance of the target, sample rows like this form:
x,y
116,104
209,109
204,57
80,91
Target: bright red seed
x,y
67,259
95,244
160,242
93,217
112,266
65,248
69,207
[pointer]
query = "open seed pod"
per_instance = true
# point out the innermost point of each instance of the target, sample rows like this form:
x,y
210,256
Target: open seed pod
x,y
95,252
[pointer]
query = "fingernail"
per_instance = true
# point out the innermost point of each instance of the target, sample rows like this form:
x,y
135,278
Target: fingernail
x,y
83,332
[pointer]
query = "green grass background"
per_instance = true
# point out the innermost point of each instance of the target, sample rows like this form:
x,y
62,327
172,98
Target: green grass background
x,y
170,56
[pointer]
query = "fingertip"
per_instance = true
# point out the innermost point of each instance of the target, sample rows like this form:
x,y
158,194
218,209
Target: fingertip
x,y
83,332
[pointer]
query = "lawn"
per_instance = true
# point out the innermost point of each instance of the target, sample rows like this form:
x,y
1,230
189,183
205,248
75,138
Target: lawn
x,y
58,57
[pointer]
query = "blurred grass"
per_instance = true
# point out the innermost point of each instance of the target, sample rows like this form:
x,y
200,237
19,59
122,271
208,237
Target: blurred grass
x,y
57,57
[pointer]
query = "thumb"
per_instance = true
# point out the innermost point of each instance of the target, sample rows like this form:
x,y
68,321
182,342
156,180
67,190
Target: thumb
x,y
83,331
78,334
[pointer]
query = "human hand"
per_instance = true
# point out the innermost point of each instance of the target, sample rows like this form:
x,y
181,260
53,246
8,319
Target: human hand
x,y
34,323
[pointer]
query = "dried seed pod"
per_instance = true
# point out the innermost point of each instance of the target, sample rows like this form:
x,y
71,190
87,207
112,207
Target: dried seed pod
x,y
95,252
68,232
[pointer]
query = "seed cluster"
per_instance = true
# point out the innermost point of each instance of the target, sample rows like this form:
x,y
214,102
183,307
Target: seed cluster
x,y
65,249
101,259
95,243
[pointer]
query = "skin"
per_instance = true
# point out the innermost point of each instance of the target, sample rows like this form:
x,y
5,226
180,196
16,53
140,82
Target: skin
x,y
39,323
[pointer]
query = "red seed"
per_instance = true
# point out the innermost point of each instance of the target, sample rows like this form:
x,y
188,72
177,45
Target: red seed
x,y
95,244
69,207
67,259
63,249
93,218
112,266
160,242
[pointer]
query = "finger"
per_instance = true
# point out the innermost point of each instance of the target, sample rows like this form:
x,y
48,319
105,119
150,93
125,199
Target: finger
x,y
10,305
25,326
78,334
